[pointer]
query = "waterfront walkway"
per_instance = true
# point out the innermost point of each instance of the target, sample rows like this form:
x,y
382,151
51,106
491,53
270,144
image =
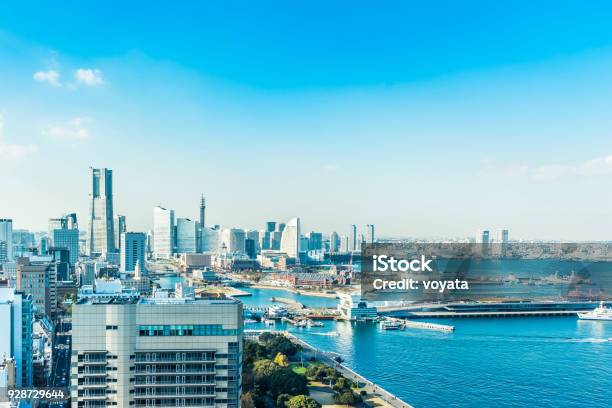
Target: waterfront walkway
x,y
374,391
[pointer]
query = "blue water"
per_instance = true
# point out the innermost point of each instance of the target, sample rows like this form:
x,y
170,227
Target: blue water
x,y
262,298
513,362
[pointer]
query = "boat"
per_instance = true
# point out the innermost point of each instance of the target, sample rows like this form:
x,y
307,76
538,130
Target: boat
x,y
388,325
277,311
315,324
599,313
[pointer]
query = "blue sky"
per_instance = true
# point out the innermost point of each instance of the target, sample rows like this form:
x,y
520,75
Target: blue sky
x,y
426,119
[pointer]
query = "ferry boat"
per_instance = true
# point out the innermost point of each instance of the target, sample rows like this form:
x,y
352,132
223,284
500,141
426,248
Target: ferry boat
x,y
599,313
387,325
277,311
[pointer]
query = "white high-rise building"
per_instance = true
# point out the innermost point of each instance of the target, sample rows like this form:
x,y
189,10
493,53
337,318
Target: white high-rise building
x,y
100,236
16,318
6,236
156,352
290,238
163,232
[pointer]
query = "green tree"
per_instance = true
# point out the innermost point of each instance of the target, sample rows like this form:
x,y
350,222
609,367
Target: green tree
x,y
302,401
281,360
281,400
347,397
285,381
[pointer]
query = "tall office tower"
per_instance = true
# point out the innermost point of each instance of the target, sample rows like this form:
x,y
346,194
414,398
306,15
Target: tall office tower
x,y
156,352
69,239
16,319
334,242
271,226
71,221
344,243
202,212
3,256
280,227
485,240
37,277
119,228
290,239
186,236
233,240
163,233
370,238
264,239
315,240
55,224
254,235
132,251
353,240
210,240
6,236
504,242
101,237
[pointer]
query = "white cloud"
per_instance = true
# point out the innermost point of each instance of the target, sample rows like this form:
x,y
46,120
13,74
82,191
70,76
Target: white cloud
x,y
598,166
51,76
11,151
72,130
89,77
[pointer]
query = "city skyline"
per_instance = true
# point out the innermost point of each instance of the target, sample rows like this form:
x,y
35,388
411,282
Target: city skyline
x,y
288,119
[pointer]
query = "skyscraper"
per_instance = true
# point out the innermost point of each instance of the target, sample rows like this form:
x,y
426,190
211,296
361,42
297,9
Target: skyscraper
x,y
163,232
6,236
101,237
157,352
315,241
202,212
370,234
504,242
37,276
233,239
485,240
132,251
334,242
186,236
119,228
69,239
16,327
290,238
353,240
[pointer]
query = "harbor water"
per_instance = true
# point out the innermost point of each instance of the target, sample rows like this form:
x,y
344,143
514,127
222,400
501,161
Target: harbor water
x,y
505,362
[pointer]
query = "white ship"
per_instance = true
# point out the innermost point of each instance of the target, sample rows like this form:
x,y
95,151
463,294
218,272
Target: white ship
x,y
599,313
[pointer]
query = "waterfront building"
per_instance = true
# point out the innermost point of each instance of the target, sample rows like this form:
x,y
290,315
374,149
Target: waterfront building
x,y
186,236
352,307
37,277
163,232
156,352
100,236
290,239
6,236
16,322
119,228
233,240
132,251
